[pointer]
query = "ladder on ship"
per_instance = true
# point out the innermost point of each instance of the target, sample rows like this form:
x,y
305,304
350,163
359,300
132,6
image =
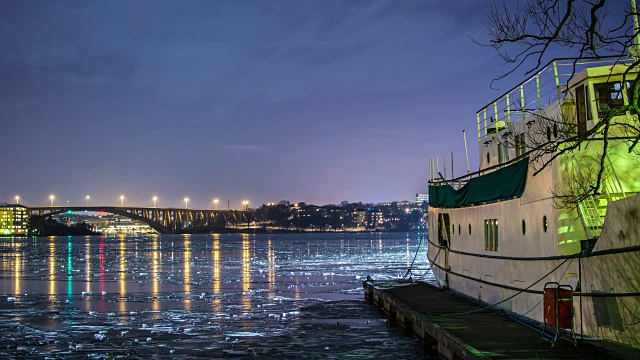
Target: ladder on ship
x,y
593,209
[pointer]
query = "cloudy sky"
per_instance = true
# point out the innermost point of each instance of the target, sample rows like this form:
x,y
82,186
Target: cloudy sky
x,y
315,101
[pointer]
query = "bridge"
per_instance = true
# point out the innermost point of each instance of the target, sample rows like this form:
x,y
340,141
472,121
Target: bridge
x,y
162,220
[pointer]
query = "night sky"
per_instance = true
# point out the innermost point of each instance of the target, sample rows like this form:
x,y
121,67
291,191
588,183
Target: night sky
x,y
314,101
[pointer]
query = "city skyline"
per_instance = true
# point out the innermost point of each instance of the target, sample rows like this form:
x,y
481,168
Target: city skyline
x,y
266,101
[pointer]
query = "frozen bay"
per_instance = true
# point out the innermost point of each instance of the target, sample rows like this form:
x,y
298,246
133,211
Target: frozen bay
x,y
208,296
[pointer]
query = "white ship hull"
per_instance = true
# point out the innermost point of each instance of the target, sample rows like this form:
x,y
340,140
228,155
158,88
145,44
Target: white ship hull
x,y
503,252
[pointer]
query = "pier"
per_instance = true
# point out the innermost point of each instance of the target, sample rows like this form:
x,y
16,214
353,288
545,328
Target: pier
x,y
463,329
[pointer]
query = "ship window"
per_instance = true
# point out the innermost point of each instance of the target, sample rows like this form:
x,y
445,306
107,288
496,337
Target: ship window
x,y
469,229
548,133
488,159
491,234
630,94
459,232
453,229
545,223
608,96
524,228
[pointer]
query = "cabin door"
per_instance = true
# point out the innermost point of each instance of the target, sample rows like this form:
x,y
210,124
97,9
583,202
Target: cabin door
x,y
581,109
444,236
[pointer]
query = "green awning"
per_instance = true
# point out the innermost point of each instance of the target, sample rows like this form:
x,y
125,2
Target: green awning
x,y
506,183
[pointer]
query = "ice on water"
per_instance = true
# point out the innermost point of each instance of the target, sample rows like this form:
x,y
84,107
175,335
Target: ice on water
x,y
201,295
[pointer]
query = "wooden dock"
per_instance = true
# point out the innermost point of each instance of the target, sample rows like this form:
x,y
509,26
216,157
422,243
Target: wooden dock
x,y
463,329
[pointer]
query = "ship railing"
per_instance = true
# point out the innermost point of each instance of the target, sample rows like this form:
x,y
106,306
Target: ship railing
x,y
458,182
542,89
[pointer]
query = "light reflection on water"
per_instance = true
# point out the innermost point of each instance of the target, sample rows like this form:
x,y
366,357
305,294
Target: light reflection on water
x,y
212,286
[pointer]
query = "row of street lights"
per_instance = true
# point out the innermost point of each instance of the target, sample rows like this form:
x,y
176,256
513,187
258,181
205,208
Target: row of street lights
x,y
245,203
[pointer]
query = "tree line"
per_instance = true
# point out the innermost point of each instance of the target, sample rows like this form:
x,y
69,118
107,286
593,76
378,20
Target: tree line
x,y
392,216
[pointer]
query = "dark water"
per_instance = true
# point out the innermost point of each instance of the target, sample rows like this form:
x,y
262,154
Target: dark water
x,y
206,296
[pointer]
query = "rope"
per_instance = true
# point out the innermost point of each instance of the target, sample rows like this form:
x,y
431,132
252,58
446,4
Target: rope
x,y
512,296
416,255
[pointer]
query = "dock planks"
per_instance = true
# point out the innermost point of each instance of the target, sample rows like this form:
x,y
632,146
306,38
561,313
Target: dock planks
x,y
464,329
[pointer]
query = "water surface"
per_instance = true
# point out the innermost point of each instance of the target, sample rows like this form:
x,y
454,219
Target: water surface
x,y
174,296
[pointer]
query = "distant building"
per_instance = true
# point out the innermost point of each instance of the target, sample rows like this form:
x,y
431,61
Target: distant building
x,y
420,198
375,220
14,219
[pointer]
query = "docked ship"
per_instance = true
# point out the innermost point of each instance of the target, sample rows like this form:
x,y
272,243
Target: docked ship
x,y
554,201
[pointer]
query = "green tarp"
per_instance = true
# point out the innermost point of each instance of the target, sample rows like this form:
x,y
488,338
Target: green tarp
x,y
506,183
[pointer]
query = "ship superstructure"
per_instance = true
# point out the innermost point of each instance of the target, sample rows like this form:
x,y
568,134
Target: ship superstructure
x,y
554,200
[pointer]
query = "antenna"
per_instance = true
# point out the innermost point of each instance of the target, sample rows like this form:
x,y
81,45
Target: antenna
x,y
466,150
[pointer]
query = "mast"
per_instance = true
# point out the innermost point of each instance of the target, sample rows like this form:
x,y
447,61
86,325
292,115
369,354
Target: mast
x,y
466,150
444,166
452,176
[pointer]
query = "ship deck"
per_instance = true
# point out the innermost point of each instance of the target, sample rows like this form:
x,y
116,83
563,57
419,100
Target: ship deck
x,y
463,329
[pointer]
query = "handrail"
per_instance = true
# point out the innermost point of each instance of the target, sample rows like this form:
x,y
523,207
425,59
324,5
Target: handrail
x,y
546,65
538,93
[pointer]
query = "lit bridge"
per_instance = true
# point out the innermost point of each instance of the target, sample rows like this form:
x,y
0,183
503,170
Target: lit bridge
x,y
163,220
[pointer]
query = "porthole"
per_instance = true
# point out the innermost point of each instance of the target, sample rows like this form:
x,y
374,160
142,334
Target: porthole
x,y
548,133
545,223
488,159
469,229
524,227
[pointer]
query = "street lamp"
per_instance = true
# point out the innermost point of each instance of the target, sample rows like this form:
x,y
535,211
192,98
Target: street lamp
x,y
245,203
186,203
17,199
52,197
122,200
155,200
87,197
67,203
215,202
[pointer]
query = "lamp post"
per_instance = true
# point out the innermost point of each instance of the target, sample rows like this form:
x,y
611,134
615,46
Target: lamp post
x,y
245,203
155,201
87,197
67,203
186,203
52,197
215,203
122,200
17,199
